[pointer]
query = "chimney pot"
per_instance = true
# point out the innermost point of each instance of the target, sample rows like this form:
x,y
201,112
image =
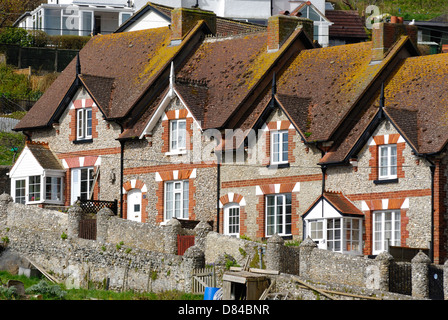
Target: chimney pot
x,y
384,35
184,19
280,27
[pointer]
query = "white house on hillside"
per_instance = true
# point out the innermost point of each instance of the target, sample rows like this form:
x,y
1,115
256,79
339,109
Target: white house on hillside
x,y
155,15
77,17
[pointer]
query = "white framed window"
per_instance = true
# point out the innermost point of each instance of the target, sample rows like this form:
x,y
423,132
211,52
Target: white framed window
x,y
352,235
81,183
278,214
387,161
279,147
20,191
176,199
337,234
232,219
53,189
386,230
178,135
34,188
84,124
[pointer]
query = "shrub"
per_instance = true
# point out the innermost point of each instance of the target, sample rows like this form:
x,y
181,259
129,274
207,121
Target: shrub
x,y
17,36
46,289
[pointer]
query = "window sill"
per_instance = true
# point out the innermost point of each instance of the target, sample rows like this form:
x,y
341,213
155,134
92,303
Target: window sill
x,y
278,165
385,181
176,153
81,141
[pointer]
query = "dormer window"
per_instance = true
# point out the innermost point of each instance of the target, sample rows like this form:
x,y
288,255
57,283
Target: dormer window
x,y
84,124
387,161
279,147
178,134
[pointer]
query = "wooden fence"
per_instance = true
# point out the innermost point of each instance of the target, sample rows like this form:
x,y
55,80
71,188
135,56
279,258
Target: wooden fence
x,y
202,278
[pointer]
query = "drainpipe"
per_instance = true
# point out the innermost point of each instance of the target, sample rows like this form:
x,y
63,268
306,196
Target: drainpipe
x,y
431,246
218,187
122,142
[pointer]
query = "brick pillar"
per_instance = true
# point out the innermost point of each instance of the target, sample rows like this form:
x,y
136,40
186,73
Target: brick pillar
x,y
305,250
420,281
384,260
172,229
102,223
74,217
274,250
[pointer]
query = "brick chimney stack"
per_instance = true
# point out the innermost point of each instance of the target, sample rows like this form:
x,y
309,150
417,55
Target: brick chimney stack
x,y
384,35
280,27
183,20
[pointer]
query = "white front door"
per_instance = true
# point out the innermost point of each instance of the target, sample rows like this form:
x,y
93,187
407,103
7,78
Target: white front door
x,y
135,205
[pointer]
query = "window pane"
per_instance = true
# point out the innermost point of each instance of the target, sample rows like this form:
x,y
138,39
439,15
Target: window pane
x,y
20,191
169,200
34,188
80,124
89,123
185,200
173,135
182,135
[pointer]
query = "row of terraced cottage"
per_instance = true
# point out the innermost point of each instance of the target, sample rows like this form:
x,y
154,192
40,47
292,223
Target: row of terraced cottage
x,y
261,132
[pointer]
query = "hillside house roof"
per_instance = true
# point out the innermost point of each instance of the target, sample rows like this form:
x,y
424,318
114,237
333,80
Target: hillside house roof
x,y
116,70
224,26
346,24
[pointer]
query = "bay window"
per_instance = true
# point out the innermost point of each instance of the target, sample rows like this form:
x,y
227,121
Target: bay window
x,y
336,234
38,189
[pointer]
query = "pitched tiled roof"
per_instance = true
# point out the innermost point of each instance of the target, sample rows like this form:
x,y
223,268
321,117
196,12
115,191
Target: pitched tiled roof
x,y
46,158
341,203
332,79
414,102
116,69
224,26
346,24
415,99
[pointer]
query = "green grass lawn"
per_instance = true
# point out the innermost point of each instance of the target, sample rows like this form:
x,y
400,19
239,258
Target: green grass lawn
x,y
36,287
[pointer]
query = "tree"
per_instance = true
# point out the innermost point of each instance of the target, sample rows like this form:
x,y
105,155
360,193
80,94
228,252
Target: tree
x,y
11,10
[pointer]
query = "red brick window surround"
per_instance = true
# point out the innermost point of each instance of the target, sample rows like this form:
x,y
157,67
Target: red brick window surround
x,y
263,191
386,143
237,200
276,128
83,121
371,207
175,176
168,119
140,185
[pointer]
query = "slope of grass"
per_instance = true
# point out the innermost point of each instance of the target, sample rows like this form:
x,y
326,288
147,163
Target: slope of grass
x,y
35,286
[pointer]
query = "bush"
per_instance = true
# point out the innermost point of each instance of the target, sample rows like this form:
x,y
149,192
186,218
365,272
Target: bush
x,y
17,36
47,290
